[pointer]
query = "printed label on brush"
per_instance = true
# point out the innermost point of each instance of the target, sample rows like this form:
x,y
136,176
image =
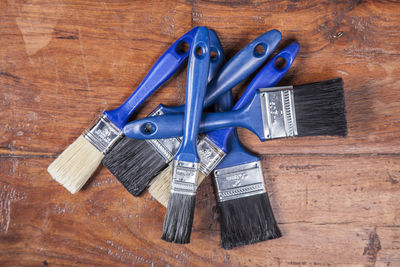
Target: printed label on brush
x,y
210,155
184,177
103,134
239,181
278,114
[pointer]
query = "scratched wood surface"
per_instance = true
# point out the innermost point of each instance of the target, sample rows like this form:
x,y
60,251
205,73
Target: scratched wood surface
x,y
62,62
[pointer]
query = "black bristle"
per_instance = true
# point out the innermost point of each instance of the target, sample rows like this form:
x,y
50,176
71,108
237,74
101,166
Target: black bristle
x,y
320,108
179,218
134,163
247,220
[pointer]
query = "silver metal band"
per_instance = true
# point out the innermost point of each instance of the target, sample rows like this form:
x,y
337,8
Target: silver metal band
x,y
210,155
278,112
103,134
166,147
184,177
239,181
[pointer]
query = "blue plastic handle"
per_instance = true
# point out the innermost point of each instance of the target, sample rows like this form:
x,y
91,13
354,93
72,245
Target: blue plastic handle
x,y
224,103
237,154
161,71
216,64
218,60
239,67
268,76
199,62
246,115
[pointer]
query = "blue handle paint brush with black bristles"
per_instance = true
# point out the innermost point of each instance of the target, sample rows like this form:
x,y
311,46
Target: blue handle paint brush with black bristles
x,y
213,146
136,162
76,164
180,211
278,112
246,216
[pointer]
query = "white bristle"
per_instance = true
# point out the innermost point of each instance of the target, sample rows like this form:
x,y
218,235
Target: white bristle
x,y
74,166
160,187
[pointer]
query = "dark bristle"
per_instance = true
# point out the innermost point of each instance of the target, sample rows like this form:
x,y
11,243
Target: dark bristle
x,y
179,219
320,108
134,163
247,220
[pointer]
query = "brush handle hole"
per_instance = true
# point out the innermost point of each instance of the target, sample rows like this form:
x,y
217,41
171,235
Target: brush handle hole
x,y
260,50
214,54
148,128
182,47
200,51
280,63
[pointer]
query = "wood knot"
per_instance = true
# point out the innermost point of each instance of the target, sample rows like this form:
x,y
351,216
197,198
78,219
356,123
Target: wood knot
x,y
373,246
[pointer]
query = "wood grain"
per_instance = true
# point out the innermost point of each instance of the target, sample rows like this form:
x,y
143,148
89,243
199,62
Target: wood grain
x,y
63,62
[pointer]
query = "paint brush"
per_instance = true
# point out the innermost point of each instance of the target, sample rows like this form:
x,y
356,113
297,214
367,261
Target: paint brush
x,y
246,216
301,110
78,162
213,147
180,211
136,162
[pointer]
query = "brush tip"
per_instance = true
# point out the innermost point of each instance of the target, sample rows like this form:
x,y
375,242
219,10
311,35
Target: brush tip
x,y
320,108
179,218
247,220
74,166
134,163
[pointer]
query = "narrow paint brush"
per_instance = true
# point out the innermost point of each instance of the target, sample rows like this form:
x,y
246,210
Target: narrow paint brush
x,y
77,163
180,211
136,162
246,216
213,147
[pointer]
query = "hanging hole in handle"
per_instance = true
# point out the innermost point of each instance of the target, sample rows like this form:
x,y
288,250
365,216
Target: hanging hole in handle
x,y
280,63
199,51
260,50
148,128
183,47
213,54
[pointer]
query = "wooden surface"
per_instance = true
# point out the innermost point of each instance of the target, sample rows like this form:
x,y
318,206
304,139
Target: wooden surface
x,y
337,200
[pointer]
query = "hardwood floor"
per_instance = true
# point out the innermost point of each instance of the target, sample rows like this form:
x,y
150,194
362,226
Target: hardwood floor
x,y
62,62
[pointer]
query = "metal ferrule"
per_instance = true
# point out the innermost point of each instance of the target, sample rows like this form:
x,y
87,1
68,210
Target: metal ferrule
x,y
103,134
167,148
210,155
184,177
278,112
239,181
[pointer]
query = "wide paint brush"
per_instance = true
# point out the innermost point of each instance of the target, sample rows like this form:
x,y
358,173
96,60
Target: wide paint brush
x,y
180,211
301,110
246,215
213,147
136,162
76,164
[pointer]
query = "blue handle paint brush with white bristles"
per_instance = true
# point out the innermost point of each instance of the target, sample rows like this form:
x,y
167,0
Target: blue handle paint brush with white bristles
x,y
136,162
213,147
76,164
180,211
